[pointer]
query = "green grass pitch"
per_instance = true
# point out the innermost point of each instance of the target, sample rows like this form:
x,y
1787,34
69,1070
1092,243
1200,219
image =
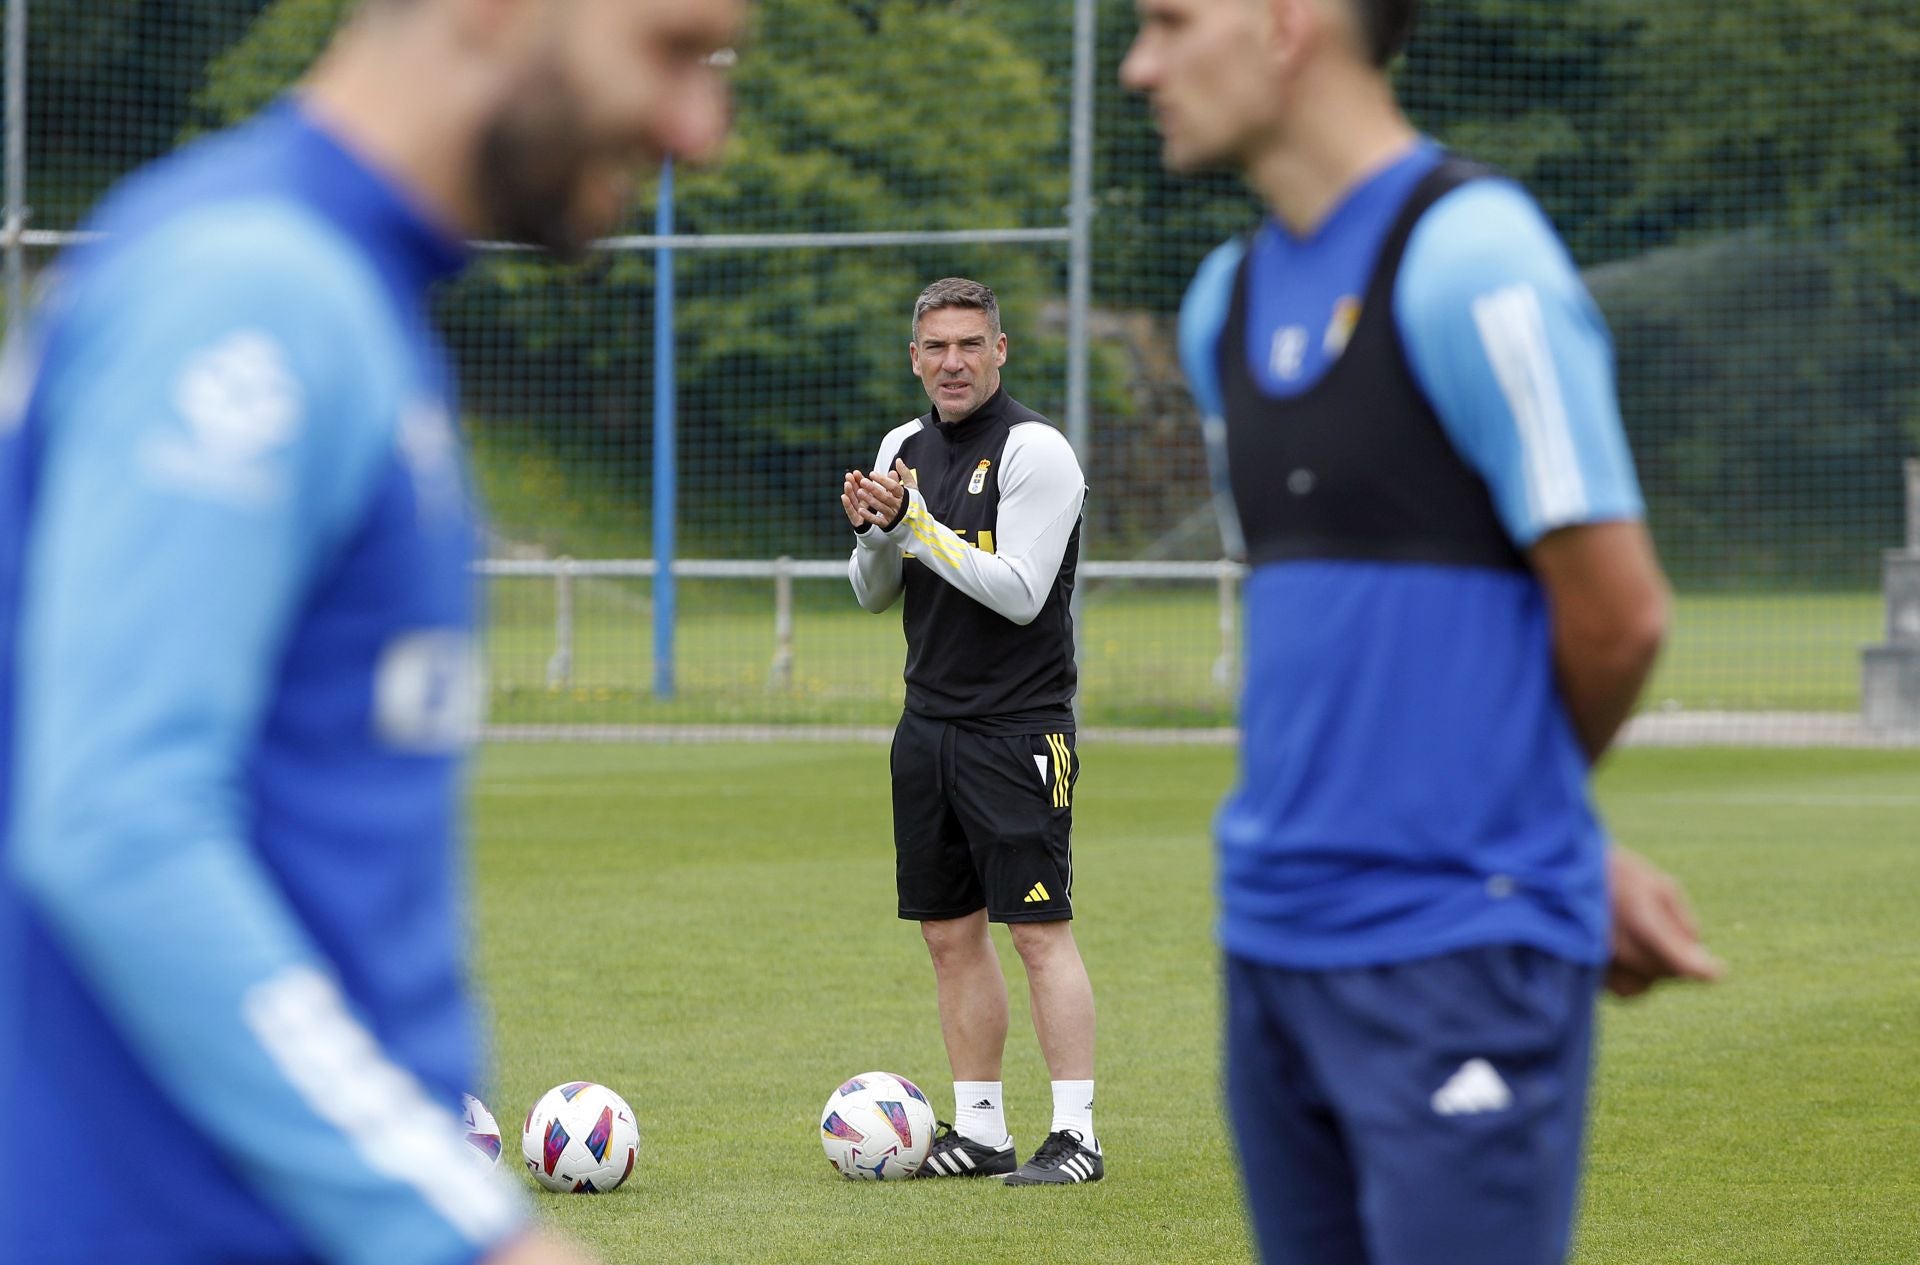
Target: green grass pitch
x,y
1147,655
709,929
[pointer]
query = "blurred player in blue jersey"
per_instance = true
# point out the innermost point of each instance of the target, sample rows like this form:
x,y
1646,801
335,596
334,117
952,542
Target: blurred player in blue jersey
x,y
1451,608
237,632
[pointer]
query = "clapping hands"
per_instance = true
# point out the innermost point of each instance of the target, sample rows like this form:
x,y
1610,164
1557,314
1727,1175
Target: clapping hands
x,y
876,500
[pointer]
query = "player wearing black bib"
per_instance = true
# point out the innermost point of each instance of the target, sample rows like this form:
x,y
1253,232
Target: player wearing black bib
x,y
1451,605
973,513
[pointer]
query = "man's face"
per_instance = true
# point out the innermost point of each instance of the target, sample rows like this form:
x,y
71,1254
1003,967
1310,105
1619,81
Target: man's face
x,y
607,90
958,358
1205,70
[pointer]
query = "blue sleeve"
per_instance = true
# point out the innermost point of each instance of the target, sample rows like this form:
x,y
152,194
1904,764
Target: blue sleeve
x,y
1506,342
218,409
1203,314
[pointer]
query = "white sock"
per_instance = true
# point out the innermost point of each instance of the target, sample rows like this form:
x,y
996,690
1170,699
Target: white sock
x,y
1073,1109
979,1112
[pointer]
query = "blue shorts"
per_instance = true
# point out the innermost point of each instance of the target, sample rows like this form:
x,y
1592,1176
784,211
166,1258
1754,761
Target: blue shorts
x,y
1423,1113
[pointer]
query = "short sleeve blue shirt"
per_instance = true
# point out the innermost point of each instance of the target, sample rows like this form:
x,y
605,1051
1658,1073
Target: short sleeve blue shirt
x,y
1410,782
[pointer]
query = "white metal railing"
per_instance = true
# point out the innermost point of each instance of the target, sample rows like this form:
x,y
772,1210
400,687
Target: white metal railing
x,y
564,571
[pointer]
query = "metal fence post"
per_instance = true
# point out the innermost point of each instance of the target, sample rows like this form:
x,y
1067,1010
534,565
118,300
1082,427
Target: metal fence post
x,y
560,666
781,676
1080,225
1890,672
1226,668
666,470
16,158
1080,267
1913,506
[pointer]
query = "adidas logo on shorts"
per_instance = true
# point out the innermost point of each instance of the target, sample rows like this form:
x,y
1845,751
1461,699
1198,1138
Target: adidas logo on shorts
x,y
1474,1089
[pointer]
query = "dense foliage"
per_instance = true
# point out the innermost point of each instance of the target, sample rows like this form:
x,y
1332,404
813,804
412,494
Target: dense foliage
x,y
1743,183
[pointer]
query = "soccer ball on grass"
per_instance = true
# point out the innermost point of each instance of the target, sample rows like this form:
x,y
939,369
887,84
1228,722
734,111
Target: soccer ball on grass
x,y
482,1131
580,1138
877,1127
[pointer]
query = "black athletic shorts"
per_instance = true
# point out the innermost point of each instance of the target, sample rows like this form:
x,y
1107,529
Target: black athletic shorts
x,y
982,820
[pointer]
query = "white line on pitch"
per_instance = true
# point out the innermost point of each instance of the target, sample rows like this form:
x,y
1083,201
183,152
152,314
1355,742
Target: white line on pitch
x,y
1772,799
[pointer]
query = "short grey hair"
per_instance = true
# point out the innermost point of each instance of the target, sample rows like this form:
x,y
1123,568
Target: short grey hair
x,y
957,292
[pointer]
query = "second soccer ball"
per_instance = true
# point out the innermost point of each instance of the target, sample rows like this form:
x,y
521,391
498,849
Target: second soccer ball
x,y
482,1130
580,1138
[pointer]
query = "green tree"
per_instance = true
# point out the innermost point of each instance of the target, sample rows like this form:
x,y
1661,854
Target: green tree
x,y
890,115
281,43
1744,180
848,128
109,84
1771,346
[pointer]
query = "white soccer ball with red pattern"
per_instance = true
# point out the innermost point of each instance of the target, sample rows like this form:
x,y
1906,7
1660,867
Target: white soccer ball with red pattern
x,y
482,1131
877,1127
580,1138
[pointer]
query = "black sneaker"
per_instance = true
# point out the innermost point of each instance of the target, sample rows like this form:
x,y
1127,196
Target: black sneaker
x,y
955,1155
1064,1158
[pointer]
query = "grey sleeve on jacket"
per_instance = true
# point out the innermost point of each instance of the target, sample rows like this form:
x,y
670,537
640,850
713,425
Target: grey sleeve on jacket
x,y
874,568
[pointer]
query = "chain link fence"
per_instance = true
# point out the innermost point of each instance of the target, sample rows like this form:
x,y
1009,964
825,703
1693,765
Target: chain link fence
x,y
1742,186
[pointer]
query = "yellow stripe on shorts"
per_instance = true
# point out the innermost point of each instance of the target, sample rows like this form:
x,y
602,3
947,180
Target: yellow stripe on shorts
x,y
1063,771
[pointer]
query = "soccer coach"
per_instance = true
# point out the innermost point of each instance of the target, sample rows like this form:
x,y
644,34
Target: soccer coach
x,y
973,512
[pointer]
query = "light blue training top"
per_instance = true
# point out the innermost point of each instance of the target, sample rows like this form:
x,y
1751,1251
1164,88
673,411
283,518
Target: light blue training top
x,y
236,620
